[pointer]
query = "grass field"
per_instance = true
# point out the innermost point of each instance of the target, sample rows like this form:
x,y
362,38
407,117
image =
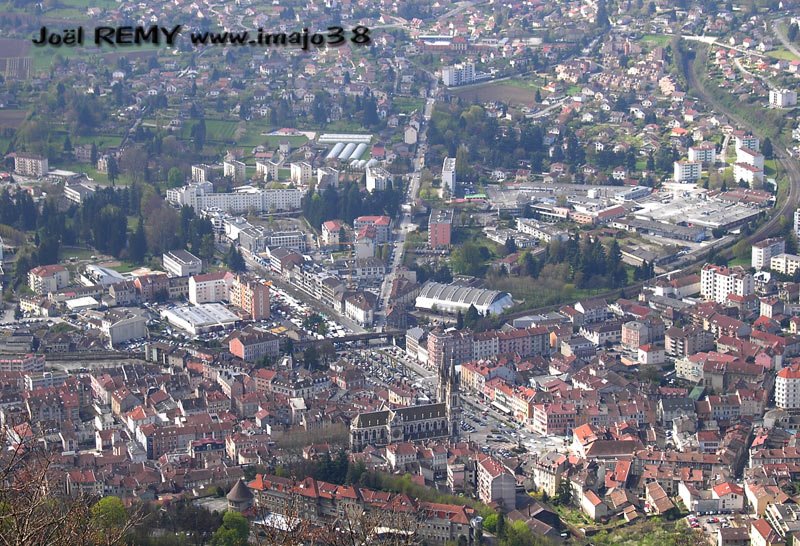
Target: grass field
x,y
91,172
661,40
504,91
406,104
12,119
783,54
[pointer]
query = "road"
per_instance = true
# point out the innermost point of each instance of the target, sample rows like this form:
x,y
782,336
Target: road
x,y
776,25
406,224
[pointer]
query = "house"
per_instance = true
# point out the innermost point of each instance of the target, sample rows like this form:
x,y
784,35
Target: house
x,y
48,278
593,506
730,495
496,484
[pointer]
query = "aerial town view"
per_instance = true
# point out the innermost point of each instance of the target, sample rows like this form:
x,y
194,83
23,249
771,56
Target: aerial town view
x,y
408,272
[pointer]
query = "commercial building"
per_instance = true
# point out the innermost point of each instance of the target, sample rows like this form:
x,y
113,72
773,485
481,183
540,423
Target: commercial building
x,y
244,199
48,278
210,287
452,298
718,282
181,263
250,295
449,174
252,344
235,170
782,98
201,318
31,165
763,251
440,226
459,74
687,171
120,326
378,179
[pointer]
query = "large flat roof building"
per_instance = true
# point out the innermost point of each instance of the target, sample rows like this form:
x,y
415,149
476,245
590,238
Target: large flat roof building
x,y
200,318
181,263
452,298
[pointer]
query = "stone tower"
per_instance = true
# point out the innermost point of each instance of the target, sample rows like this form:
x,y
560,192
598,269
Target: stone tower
x,y
448,394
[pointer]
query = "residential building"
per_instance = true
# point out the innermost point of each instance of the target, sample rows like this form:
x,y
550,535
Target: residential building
x,y
181,263
31,165
459,74
252,344
210,287
202,173
120,326
440,226
718,282
496,484
747,141
786,264
378,179
687,171
797,223
787,388
327,176
244,199
332,233
250,295
750,157
236,170
48,278
782,98
748,173
704,153
449,174
300,173
360,307
543,232
763,251
382,225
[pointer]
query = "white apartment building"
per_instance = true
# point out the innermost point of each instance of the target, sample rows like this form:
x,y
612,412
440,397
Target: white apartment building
x,y
378,179
202,173
295,239
327,176
210,288
449,174
704,153
459,74
331,231
267,170
496,484
787,388
750,174
763,251
785,264
540,231
797,223
750,157
31,165
782,98
181,263
48,278
243,200
300,173
748,141
687,171
236,170
717,282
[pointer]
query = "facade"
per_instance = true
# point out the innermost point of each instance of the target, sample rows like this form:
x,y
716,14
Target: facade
x,y
749,173
717,282
687,171
122,326
181,263
235,170
48,278
250,295
496,484
22,363
440,226
763,251
361,308
31,165
459,74
750,157
452,298
378,179
202,173
449,174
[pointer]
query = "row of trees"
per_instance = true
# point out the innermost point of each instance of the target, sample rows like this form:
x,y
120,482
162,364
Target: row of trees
x,y
348,203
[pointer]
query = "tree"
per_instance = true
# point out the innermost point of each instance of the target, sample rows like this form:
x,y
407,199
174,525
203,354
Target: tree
x,y
137,247
93,154
538,96
67,145
235,531
234,260
602,15
174,177
113,169
459,320
108,515
792,33
564,493
511,245
766,148
311,357
199,135
471,317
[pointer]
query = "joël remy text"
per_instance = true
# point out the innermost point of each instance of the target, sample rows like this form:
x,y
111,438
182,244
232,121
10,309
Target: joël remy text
x,y
110,35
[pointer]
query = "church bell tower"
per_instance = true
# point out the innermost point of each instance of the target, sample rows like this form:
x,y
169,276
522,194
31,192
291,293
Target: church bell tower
x,y
448,394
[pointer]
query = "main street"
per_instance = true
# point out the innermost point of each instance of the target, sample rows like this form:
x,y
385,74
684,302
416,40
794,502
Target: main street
x,y
406,224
